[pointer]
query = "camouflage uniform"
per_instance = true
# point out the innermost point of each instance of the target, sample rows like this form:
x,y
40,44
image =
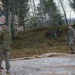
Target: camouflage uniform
x,y
71,37
5,41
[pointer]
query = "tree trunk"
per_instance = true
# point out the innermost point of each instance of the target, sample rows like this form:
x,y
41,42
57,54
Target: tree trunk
x,y
24,25
34,8
17,13
12,18
64,13
8,14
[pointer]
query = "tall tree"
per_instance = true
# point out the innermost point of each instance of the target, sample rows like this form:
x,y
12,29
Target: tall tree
x,y
34,6
49,8
15,7
23,9
12,17
41,14
7,4
61,3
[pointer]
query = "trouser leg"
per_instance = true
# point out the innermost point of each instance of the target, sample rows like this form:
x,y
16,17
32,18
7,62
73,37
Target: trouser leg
x,y
7,57
71,45
1,56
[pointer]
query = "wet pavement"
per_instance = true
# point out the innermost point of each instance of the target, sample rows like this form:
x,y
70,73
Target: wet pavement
x,y
42,66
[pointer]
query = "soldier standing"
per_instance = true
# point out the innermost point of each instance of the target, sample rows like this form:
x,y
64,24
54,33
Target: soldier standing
x,y
71,37
5,42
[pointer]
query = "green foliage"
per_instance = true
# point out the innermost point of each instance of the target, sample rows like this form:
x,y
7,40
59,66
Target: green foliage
x,y
52,10
18,7
72,4
23,8
33,22
34,42
49,4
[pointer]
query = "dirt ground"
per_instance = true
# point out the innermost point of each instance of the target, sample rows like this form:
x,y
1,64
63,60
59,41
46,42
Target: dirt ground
x,y
46,64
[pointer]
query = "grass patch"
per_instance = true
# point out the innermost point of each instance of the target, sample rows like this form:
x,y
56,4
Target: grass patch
x,y
35,42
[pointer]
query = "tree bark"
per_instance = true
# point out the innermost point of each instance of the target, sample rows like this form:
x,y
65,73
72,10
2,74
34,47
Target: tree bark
x,y
8,14
64,13
12,18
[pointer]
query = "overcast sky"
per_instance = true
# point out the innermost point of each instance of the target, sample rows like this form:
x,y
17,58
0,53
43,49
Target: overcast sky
x,y
69,11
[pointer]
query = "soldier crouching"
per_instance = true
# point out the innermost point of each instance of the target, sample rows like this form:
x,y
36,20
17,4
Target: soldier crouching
x,y
5,42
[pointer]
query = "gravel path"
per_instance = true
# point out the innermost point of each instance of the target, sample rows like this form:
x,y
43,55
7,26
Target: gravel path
x,y
56,65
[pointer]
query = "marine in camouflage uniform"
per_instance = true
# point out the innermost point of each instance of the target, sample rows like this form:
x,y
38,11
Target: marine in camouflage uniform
x,y
71,37
5,42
